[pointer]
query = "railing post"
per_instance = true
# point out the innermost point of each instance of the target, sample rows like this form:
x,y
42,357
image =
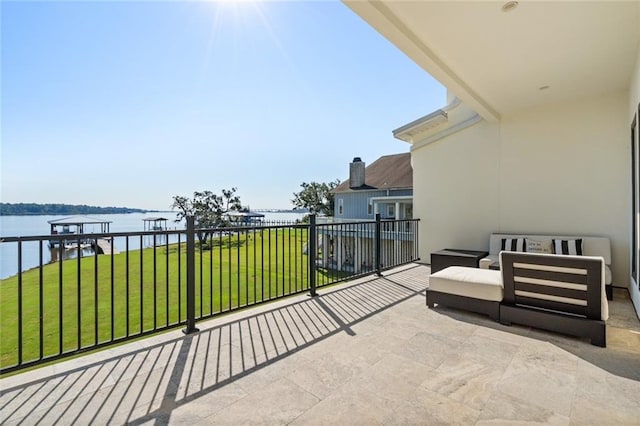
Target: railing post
x,y
191,277
378,249
313,250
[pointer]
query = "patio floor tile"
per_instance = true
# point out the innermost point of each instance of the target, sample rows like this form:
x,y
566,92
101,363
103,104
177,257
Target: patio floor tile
x,y
365,352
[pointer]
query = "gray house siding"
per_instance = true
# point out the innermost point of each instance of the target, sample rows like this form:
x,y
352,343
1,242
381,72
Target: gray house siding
x,y
355,204
352,247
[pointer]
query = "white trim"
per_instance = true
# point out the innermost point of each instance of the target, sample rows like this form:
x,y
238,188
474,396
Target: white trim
x,y
391,199
429,121
405,133
454,103
447,132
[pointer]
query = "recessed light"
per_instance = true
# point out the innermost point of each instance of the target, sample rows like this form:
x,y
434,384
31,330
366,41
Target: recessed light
x,y
543,87
509,6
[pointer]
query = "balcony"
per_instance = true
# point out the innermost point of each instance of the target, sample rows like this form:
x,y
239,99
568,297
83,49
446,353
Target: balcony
x,y
367,351
259,349
121,286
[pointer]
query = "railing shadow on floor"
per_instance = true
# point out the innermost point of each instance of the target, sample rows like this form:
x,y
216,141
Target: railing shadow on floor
x,y
148,383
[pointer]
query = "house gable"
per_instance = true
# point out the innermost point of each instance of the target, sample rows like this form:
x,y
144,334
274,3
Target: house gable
x,y
388,181
387,172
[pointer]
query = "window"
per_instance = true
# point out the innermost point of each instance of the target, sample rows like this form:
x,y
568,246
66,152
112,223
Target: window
x,y
408,212
391,210
340,206
370,209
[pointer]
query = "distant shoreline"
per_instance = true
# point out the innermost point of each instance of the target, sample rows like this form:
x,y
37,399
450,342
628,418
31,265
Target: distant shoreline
x,y
35,209
55,209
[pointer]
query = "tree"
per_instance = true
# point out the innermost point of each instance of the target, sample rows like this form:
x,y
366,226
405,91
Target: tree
x,y
209,210
316,197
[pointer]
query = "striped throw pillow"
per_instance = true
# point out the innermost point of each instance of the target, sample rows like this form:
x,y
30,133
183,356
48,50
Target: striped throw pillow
x,y
568,246
513,244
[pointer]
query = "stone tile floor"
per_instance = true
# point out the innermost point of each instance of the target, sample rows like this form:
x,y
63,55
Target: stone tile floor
x,y
365,352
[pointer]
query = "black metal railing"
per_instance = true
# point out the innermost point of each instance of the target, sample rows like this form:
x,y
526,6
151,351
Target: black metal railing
x,y
119,286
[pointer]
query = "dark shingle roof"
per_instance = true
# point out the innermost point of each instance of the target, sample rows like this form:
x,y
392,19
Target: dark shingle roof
x,y
387,172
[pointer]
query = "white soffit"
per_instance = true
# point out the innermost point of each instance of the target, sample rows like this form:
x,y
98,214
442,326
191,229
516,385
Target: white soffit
x,y
409,131
496,61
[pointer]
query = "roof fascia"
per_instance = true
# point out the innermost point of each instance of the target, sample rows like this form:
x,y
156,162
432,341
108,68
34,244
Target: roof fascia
x,y
447,132
391,197
352,191
406,132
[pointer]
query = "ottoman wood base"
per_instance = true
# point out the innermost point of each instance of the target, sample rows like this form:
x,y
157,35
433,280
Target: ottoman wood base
x,y
486,307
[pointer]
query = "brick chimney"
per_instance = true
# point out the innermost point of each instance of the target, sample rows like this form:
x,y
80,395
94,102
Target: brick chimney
x,y
356,173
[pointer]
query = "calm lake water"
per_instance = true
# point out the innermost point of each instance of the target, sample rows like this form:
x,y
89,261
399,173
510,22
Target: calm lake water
x,y
22,226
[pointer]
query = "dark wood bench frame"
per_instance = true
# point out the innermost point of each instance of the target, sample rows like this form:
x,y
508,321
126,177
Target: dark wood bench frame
x,y
580,321
471,304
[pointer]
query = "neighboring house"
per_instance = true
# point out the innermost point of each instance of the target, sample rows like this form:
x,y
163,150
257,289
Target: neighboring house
x,y
541,130
385,187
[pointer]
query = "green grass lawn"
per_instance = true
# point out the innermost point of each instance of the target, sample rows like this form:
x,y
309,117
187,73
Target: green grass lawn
x,y
80,304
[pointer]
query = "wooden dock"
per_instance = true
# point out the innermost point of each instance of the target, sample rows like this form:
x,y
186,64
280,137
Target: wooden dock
x,y
104,246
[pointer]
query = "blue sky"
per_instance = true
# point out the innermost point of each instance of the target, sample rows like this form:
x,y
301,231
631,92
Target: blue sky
x,y
117,103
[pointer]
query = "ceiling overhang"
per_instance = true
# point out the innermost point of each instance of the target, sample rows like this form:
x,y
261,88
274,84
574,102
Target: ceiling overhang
x,y
498,62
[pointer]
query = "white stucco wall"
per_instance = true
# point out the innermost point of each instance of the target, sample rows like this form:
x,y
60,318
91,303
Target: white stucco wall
x,y
565,169
456,189
562,168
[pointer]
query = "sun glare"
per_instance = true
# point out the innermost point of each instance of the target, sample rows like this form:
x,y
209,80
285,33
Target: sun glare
x,y
236,1
245,17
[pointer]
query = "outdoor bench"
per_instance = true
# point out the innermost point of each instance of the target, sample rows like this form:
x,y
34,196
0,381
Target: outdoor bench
x,y
560,293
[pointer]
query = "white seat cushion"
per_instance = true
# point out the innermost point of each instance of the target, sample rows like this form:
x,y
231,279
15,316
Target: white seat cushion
x,y
483,284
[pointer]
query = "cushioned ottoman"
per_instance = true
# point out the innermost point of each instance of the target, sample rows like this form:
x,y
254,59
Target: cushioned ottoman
x,y
471,289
